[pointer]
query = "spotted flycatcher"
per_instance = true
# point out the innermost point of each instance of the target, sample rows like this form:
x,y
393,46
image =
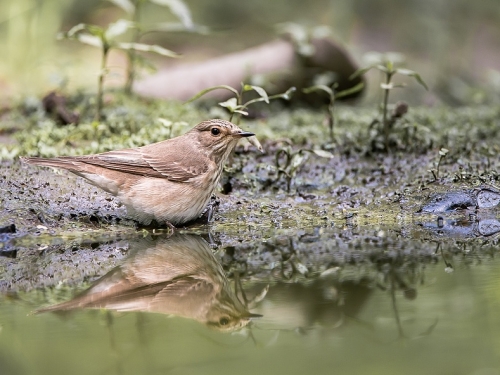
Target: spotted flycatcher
x,y
169,181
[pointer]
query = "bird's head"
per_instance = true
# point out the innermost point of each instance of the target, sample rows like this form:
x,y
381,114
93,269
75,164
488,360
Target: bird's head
x,y
218,137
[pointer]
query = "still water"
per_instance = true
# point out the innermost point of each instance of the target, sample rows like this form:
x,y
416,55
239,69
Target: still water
x,y
171,309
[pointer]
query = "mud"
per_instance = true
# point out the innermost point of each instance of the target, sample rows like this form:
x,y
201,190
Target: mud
x,y
358,210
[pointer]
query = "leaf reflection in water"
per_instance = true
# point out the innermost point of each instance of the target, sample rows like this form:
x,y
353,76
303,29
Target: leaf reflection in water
x,y
177,275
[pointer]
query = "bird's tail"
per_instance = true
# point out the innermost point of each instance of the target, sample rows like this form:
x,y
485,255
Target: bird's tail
x,y
60,162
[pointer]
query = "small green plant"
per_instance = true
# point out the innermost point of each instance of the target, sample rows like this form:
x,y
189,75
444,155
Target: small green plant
x,y
387,64
435,171
236,106
105,39
288,162
333,95
134,8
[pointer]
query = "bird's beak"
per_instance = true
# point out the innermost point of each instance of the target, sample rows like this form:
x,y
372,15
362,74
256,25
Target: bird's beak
x,y
250,315
243,134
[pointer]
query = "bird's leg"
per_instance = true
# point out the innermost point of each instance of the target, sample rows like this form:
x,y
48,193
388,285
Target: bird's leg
x,y
212,206
156,225
170,225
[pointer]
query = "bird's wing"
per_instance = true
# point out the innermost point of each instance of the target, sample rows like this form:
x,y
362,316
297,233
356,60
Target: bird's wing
x,y
188,293
164,296
152,162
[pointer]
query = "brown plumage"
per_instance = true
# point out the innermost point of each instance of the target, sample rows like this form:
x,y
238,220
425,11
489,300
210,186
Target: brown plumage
x,y
169,181
177,275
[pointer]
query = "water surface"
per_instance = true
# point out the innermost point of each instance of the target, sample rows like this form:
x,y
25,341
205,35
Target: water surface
x,y
434,317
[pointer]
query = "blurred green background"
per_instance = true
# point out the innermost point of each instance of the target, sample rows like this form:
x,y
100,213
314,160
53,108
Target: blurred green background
x,y
453,44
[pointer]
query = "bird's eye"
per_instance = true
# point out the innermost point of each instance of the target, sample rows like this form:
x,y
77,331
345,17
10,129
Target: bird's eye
x,y
215,131
223,321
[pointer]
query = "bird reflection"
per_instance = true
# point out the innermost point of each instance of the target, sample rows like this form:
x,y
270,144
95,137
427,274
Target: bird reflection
x,y
177,275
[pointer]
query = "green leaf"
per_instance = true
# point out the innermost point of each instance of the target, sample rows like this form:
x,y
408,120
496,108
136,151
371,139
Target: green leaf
x,y
173,27
341,94
389,65
167,27
394,57
406,72
322,153
297,160
88,34
91,40
443,151
147,48
411,73
231,104
373,58
179,9
95,30
287,95
244,113
362,71
203,92
383,68
255,142
77,29
118,28
74,30
259,90
127,5
322,88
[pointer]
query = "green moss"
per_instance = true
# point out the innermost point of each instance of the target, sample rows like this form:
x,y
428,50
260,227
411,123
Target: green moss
x,y
128,122
131,122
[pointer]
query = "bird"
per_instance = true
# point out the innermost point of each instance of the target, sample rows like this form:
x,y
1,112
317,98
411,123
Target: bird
x,y
173,275
170,181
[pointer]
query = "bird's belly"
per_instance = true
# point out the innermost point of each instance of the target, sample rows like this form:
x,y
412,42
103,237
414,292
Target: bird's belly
x,y
164,200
